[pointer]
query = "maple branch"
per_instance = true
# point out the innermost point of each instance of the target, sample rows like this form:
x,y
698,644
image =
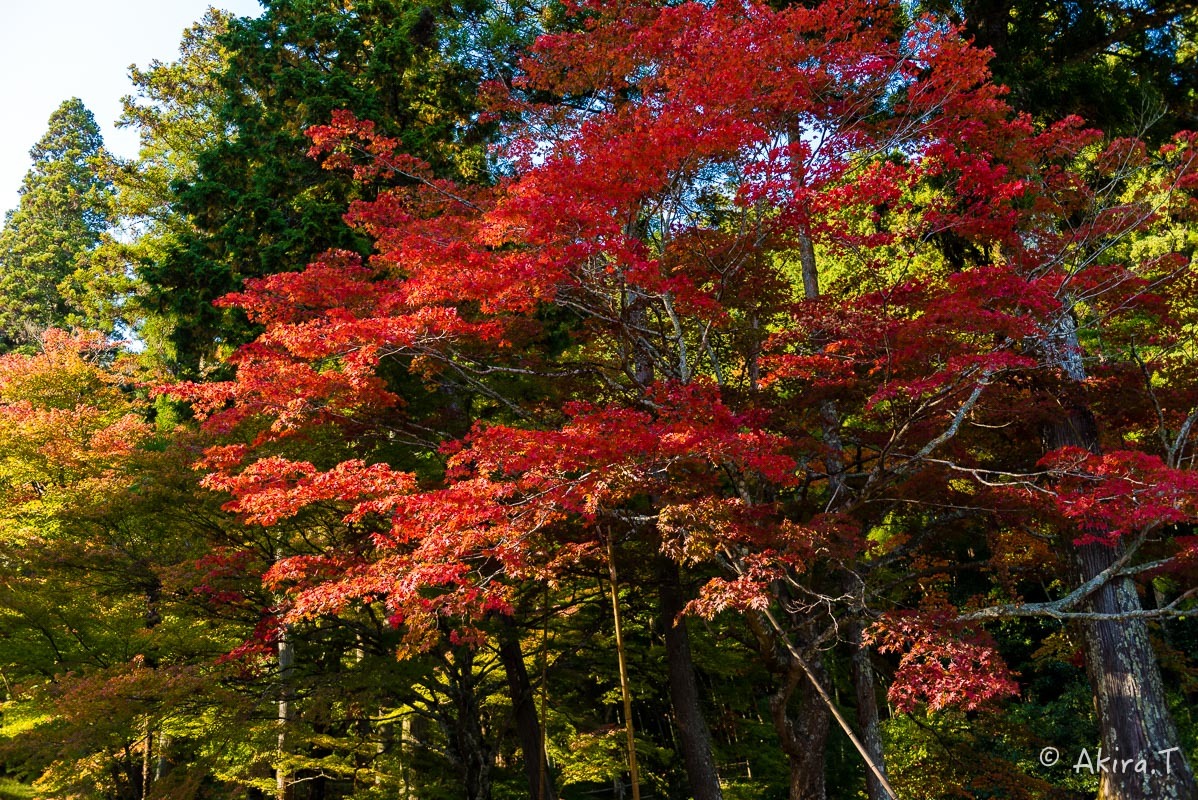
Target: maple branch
x,y
683,369
384,161
1182,436
482,388
1147,288
985,476
1063,608
793,606
1162,428
954,426
1112,239
480,367
797,658
1051,610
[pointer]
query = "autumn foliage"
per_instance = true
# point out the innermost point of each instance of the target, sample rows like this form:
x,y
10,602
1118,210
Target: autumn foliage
x,y
786,298
663,213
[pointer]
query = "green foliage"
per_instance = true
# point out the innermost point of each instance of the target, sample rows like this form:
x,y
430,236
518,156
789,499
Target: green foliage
x,y
1116,63
223,146
48,276
176,113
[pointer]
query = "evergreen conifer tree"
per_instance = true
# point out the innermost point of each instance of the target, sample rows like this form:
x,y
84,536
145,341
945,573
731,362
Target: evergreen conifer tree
x,y
65,209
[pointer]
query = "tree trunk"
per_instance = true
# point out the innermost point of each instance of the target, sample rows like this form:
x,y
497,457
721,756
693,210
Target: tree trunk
x,y
411,738
867,713
286,710
1128,694
803,734
468,748
524,709
1133,717
807,783
147,759
811,726
149,769
693,733
160,759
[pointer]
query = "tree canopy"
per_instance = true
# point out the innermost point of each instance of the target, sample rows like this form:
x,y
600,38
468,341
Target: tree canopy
x,y
619,399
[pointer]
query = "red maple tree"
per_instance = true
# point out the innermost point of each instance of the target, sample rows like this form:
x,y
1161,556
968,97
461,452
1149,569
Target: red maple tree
x,y
788,296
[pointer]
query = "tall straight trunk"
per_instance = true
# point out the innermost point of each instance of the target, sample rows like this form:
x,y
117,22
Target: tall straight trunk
x,y
808,266
160,760
693,733
411,737
524,709
834,464
147,759
150,769
1133,717
285,651
286,710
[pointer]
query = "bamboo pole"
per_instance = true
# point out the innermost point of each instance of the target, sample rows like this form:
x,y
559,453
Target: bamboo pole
x,y
633,772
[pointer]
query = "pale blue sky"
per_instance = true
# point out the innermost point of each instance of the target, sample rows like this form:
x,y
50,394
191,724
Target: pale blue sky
x,y
51,50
